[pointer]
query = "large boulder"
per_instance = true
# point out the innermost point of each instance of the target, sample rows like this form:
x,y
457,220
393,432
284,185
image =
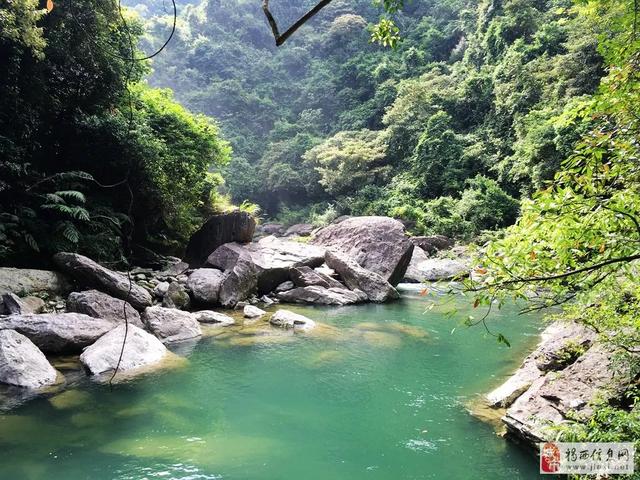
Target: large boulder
x,y
100,305
271,257
204,284
140,349
322,296
22,364
569,393
58,332
356,277
432,244
235,226
91,274
171,325
287,319
239,282
176,297
307,277
27,281
378,244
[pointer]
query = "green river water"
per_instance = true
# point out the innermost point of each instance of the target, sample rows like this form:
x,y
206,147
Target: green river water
x,y
378,392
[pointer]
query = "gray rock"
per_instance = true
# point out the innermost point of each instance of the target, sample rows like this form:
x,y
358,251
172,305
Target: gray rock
x,y
373,285
58,332
433,244
27,281
236,226
209,316
91,274
266,300
299,230
176,297
441,269
287,319
414,273
140,349
251,311
160,290
204,284
307,277
16,305
171,325
271,257
100,305
239,283
378,244
551,397
284,286
554,345
22,364
175,269
322,296
277,229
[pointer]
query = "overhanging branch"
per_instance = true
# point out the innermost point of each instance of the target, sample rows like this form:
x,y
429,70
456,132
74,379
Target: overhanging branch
x,y
280,39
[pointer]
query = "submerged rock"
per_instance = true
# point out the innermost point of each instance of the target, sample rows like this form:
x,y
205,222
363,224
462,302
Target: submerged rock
x,y
204,284
140,349
171,325
376,288
378,244
287,319
100,305
22,364
322,296
27,281
90,273
219,229
209,316
58,332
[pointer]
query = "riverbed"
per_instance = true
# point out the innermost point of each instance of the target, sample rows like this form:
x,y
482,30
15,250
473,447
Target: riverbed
x,y
375,392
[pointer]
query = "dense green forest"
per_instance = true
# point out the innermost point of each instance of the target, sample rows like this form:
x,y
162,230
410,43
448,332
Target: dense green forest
x,y
446,131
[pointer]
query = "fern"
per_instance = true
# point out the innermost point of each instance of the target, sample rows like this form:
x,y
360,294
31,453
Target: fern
x,y
72,195
28,238
69,232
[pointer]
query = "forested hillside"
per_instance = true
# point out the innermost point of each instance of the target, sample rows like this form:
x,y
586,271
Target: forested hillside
x,y
446,131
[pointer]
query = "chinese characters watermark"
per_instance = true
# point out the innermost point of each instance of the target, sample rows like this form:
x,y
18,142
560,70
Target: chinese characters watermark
x,y
587,458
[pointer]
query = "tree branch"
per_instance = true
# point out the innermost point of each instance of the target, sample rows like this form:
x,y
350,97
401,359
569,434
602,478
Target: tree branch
x,y
280,39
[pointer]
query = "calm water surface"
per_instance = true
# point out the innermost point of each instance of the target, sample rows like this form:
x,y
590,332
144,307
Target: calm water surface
x,y
380,392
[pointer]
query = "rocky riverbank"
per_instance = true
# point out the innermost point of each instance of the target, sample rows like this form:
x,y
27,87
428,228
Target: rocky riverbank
x,y
80,309
560,381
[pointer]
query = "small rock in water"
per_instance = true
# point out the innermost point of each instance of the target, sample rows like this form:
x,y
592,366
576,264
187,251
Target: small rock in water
x,y
266,300
251,311
287,319
209,316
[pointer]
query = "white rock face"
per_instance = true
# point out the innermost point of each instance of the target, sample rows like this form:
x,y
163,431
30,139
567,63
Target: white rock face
x,y
22,363
287,319
204,284
171,325
141,349
216,318
100,305
253,312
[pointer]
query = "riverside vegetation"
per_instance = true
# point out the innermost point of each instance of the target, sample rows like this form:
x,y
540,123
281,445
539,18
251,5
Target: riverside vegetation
x,y
511,125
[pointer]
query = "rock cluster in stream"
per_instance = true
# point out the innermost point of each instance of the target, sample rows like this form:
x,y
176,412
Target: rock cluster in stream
x,y
81,308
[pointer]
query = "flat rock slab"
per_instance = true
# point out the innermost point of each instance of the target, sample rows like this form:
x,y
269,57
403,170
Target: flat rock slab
x,y
171,325
317,295
215,318
100,305
22,364
140,349
58,332
91,274
378,244
440,269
